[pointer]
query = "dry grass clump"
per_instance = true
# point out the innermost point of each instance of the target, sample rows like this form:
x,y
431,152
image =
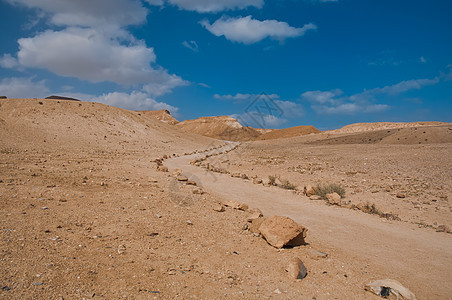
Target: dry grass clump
x,y
371,209
272,179
286,184
322,190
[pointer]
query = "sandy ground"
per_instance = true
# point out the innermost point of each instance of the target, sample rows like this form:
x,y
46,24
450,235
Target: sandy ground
x,y
378,248
84,213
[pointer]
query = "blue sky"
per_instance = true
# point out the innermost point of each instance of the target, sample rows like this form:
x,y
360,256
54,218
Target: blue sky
x,y
319,62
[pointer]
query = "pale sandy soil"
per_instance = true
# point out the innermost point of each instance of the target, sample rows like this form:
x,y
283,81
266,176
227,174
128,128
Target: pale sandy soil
x,y
370,173
84,213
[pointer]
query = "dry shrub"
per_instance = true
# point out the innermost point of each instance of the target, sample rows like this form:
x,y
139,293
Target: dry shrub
x,y
286,184
324,189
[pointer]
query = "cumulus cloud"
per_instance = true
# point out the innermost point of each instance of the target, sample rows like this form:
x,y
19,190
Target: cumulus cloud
x,y
89,13
23,88
133,101
8,61
210,6
93,45
248,30
87,54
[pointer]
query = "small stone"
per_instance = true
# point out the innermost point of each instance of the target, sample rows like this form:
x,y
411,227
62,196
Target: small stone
x,y
400,195
316,254
309,190
387,286
181,178
232,203
198,191
37,283
315,197
243,207
296,269
255,214
121,249
189,222
44,208
277,291
333,198
218,207
190,182
162,168
257,181
6,288
237,175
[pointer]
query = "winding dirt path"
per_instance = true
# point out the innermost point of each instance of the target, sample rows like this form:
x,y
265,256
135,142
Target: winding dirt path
x,y
421,259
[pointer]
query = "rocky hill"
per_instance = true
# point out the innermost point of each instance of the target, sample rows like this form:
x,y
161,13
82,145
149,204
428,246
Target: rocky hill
x,y
288,132
223,128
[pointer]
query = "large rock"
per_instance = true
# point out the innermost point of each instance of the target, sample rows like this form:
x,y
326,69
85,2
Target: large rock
x,y
282,231
333,198
296,269
384,287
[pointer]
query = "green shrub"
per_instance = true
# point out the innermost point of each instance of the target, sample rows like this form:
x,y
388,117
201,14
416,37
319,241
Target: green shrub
x,y
322,190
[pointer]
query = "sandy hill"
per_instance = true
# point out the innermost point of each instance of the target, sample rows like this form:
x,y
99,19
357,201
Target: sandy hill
x,y
162,115
430,134
68,124
223,128
360,127
288,132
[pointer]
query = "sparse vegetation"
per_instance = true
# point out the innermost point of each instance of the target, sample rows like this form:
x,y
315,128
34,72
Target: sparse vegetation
x,y
322,190
286,184
272,179
371,209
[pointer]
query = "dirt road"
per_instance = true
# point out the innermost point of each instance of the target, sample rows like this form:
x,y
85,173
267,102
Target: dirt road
x,y
419,258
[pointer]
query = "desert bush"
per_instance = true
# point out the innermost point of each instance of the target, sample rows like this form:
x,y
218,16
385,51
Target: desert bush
x,y
272,179
371,209
286,184
322,190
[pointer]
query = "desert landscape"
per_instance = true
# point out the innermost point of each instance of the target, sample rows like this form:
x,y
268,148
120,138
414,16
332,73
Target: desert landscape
x,y
100,202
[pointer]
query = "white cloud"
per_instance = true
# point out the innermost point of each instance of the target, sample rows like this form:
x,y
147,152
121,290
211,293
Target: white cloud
x,y
422,59
89,55
23,88
332,102
248,30
133,101
237,96
163,84
155,2
240,96
322,97
192,45
8,61
290,109
404,86
204,6
89,13
257,120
